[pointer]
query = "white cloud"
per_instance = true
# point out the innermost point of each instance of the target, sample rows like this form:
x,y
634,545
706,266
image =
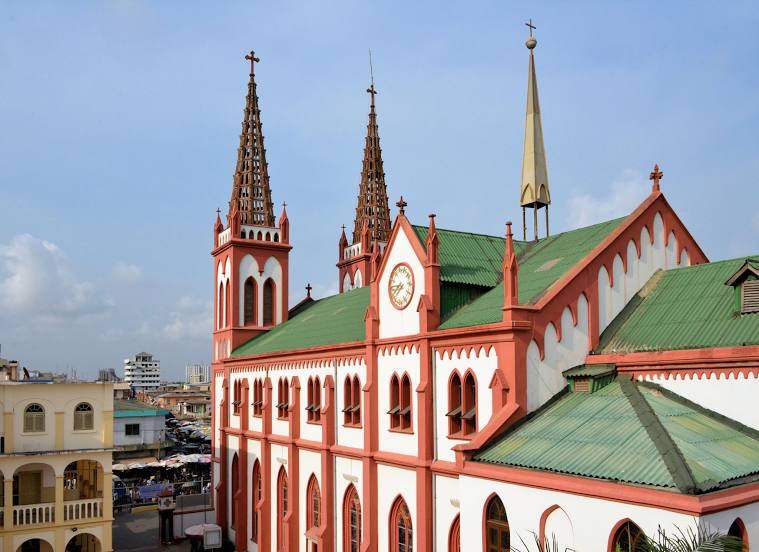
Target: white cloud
x,y
126,273
627,191
191,319
36,280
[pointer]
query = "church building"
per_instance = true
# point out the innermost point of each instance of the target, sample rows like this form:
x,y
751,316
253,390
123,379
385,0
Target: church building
x,y
470,392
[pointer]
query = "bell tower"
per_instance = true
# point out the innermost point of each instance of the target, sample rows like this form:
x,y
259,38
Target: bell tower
x,y
371,227
251,251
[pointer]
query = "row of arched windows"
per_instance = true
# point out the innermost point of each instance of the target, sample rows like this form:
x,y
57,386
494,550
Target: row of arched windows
x,y
250,295
352,398
400,403
34,418
223,312
462,405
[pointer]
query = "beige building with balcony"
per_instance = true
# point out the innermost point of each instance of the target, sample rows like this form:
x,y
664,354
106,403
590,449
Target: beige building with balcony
x,y
55,459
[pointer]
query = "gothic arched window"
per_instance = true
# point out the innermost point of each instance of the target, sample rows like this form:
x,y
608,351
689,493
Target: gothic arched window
x,y
281,510
395,402
405,413
454,405
249,302
469,404
401,528
235,489
628,538
314,506
454,536
283,398
268,302
497,534
351,521
257,495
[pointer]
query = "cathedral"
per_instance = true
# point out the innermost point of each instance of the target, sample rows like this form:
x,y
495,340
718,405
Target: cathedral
x,y
471,392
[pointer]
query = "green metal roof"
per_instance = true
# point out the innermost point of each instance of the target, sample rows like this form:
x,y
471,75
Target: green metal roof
x,y
589,370
335,319
683,308
637,434
131,409
541,265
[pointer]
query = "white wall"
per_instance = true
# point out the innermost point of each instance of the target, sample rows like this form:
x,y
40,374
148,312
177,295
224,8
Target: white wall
x,y
394,322
347,471
398,362
394,482
731,396
310,464
544,377
446,507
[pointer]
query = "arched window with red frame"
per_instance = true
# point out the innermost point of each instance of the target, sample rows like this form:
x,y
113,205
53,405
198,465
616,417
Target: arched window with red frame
x,y
268,301
348,399
256,501
227,305
738,530
236,397
314,505
356,412
249,301
469,404
314,406
627,538
454,405
281,510
401,527
405,413
497,533
258,398
283,398
235,476
395,402
351,520
220,307
454,536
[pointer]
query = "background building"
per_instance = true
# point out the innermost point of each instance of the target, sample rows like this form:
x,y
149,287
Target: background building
x,y
138,429
55,460
108,375
142,372
197,373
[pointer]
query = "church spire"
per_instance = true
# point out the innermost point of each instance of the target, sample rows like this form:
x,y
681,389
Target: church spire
x,y
535,192
250,186
372,193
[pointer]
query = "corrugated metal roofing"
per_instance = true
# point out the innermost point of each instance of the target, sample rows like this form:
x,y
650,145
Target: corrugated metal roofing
x,y
131,409
600,435
683,308
540,266
335,319
589,370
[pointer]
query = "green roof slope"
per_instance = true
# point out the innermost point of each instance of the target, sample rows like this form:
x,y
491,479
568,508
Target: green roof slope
x,y
683,308
335,319
540,266
604,435
131,409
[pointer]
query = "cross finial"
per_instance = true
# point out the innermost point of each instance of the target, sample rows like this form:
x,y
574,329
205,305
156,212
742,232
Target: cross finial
x,y
371,90
308,290
284,204
251,57
531,26
218,212
656,175
401,204
343,227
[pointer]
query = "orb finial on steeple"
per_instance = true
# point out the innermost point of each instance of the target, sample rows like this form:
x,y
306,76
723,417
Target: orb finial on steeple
x,y
532,41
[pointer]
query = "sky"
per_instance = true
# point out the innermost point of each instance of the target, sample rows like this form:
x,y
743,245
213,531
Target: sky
x,y
120,120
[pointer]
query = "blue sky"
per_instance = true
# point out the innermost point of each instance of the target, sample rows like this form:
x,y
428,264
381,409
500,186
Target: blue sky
x,y
119,123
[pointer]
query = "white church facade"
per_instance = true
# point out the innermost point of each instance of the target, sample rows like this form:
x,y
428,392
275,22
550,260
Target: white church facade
x,y
466,391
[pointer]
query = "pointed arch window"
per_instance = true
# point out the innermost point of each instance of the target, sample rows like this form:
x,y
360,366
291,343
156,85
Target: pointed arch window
x,y
283,398
454,536
249,302
227,304
738,530
314,406
395,402
454,405
401,528
351,520
237,398
235,489
257,495
220,307
258,398
281,510
352,399
497,534
268,300
405,412
469,405
628,538
314,506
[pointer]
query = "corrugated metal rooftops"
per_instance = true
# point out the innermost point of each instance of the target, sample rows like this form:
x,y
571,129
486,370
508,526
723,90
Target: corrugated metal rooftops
x,y
632,432
683,308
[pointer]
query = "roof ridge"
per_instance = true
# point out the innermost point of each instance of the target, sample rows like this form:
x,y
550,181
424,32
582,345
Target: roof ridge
x,y
670,453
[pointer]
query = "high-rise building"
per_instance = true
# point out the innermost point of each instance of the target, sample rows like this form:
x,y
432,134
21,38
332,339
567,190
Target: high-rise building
x,y
143,372
108,375
197,373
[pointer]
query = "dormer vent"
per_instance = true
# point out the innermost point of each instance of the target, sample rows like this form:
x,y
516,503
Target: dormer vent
x,y
746,284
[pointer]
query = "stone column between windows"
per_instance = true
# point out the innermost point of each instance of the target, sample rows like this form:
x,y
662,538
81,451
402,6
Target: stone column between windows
x,y
8,431
59,430
8,505
59,499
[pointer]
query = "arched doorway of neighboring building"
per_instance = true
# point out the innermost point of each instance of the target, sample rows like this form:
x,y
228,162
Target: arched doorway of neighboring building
x,y
35,545
83,542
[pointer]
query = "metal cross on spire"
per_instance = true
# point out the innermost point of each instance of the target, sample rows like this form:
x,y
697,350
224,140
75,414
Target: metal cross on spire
x,y
251,57
371,90
531,26
401,204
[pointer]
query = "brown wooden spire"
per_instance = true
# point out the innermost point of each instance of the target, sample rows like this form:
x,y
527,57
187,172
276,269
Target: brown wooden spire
x,y
372,205
250,185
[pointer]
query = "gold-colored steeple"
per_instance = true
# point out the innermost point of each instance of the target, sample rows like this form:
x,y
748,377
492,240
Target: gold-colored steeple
x,y
535,191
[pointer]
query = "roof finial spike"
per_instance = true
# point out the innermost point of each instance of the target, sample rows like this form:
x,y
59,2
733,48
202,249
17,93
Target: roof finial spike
x,y
532,41
401,204
655,176
371,90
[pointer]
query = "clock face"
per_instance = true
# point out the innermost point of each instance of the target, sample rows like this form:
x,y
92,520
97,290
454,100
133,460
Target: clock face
x,y
401,286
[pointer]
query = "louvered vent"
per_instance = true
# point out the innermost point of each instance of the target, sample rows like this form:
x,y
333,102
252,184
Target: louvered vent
x,y
582,385
750,296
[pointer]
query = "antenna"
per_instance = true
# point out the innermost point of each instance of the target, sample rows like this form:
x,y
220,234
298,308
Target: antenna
x,y
371,68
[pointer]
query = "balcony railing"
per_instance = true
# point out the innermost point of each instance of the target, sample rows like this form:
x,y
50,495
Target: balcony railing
x,y
33,514
89,508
